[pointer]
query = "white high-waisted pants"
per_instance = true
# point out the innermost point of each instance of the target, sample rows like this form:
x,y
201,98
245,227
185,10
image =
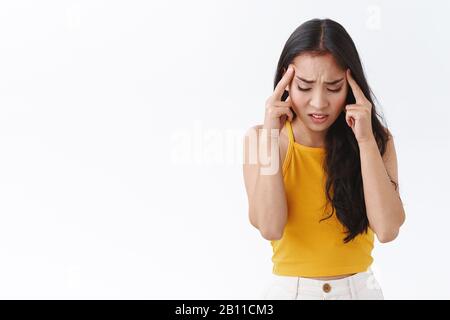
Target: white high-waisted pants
x,y
360,286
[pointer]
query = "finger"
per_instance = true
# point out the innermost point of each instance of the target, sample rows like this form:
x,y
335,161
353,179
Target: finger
x,y
285,80
285,117
349,121
291,115
279,111
352,107
357,92
349,118
358,109
282,104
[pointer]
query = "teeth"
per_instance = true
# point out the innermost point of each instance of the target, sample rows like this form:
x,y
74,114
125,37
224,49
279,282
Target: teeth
x,y
318,117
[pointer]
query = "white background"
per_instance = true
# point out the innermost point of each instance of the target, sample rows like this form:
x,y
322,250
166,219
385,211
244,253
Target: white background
x,y
121,126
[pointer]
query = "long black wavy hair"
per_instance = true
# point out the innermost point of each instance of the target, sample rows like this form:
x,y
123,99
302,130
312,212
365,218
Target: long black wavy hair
x,y
342,165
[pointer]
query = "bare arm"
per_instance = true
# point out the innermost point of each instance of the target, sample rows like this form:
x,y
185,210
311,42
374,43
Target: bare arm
x,y
383,204
263,175
264,183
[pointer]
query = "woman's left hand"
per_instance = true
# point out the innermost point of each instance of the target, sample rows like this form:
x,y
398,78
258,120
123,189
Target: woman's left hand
x,y
358,115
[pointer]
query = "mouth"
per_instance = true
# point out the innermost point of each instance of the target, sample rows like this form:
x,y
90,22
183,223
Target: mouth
x,y
318,117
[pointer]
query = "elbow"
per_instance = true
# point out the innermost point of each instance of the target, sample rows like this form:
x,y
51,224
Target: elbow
x,y
403,217
387,236
269,230
266,233
272,230
271,235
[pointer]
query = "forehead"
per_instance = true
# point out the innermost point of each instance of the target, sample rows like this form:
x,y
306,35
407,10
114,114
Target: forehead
x,y
313,66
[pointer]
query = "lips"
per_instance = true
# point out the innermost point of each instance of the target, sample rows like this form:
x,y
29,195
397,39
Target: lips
x,y
318,115
318,118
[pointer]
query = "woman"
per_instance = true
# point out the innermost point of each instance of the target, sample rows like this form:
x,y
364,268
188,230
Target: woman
x,y
321,172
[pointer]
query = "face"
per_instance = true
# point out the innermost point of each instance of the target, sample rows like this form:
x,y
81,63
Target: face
x,y
319,87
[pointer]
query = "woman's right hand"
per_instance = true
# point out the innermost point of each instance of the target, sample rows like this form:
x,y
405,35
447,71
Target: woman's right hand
x,y
278,111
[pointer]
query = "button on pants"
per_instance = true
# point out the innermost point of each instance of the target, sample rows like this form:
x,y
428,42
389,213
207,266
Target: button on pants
x,y
360,286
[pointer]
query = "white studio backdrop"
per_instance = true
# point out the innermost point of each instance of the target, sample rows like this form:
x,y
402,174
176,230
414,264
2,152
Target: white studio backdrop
x,y
121,127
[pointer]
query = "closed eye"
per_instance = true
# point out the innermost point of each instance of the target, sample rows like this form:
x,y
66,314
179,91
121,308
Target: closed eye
x,y
307,89
303,89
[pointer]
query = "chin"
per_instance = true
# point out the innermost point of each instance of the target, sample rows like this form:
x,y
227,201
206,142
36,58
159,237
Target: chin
x,y
318,129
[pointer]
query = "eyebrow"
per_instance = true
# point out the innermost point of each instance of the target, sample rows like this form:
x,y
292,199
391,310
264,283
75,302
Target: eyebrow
x,y
327,82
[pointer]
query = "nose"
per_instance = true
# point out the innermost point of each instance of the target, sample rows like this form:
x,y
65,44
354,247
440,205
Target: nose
x,y
319,100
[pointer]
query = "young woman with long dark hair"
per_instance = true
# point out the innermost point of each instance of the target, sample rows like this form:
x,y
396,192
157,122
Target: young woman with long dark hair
x,y
321,172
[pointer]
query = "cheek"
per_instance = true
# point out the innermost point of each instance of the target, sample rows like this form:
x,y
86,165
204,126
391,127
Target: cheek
x,y
338,101
299,100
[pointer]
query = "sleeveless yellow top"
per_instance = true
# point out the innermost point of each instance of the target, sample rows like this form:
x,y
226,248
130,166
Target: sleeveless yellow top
x,y
310,248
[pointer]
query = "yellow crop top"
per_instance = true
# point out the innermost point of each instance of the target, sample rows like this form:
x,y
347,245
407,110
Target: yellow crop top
x,y
310,248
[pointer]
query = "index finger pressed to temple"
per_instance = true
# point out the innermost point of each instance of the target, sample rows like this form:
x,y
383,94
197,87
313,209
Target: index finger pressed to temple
x,y
285,80
357,92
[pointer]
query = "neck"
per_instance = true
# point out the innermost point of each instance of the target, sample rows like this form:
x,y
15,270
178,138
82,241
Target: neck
x,y
306,136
